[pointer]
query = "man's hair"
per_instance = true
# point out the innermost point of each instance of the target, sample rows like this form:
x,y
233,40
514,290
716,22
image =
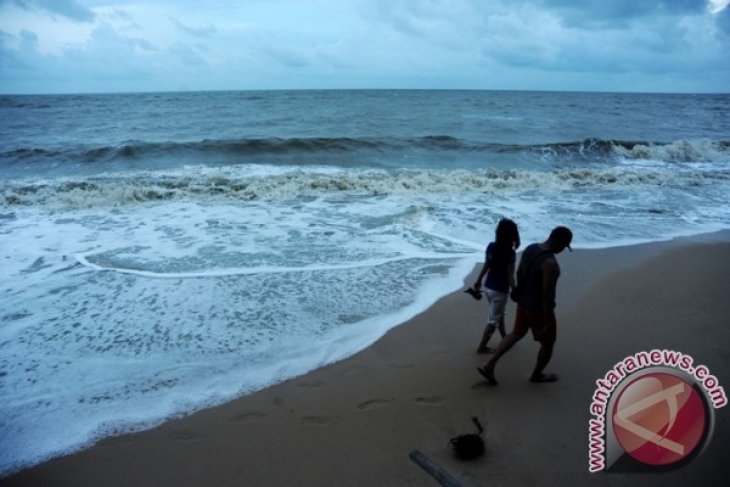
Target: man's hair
x,y
562,234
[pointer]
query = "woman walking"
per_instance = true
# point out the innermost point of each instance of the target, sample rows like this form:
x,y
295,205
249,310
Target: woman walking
x,y
499,269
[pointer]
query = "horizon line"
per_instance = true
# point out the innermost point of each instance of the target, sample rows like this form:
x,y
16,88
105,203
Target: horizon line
x,y
231,90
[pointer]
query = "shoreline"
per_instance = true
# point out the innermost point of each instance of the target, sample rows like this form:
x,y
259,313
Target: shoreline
x,y
353,422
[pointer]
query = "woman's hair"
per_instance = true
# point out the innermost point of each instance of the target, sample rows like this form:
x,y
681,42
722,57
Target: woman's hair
x,y
507,236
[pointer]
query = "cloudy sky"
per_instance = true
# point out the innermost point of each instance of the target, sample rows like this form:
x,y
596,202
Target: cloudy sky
x,y
77,46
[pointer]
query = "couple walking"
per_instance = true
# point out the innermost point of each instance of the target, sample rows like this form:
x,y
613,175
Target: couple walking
x,y
533,291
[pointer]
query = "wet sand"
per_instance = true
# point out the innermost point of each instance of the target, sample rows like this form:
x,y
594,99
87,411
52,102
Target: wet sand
x,y
354,422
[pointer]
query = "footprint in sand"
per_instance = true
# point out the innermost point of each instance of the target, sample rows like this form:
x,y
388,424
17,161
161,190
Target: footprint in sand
x,y
402,366
252,416
355,369
317,420
429,400
184,435
373,403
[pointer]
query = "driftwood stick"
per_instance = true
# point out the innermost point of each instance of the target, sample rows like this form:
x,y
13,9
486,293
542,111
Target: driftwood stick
x,y
438,473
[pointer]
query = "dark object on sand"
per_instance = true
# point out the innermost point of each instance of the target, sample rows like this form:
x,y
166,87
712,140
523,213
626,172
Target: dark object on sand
x,y
469,446
474,293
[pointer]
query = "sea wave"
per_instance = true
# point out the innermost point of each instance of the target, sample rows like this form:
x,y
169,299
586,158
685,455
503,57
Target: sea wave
x,y
205,184
701,150
677,151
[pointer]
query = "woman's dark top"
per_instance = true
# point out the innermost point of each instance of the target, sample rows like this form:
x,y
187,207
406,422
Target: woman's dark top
x,y
498,260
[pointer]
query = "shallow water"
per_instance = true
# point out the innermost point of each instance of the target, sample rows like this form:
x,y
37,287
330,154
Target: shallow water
x,y
166,252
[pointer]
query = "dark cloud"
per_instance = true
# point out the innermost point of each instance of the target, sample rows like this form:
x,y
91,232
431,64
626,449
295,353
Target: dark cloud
x,y
187,55
9,58
202,32
144,44
656,39
285,57
628,8
109,61
64,8
124,17
423,19
531,44
28,40
618,13
22,67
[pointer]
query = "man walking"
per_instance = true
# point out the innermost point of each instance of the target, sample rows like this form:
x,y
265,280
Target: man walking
x,y
537,277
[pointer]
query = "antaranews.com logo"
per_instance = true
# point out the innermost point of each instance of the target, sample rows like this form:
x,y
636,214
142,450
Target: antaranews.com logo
x,y
652,410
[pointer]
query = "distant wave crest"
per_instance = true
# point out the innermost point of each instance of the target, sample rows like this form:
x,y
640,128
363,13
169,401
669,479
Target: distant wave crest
x,y
239,149
234,147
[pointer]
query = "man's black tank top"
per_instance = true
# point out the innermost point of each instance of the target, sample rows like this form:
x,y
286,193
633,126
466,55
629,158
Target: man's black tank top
x,y
530,277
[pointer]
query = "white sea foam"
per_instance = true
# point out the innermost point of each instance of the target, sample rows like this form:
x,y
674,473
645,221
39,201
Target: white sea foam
x,y
136,287
702,150
254,294
244,184
117,316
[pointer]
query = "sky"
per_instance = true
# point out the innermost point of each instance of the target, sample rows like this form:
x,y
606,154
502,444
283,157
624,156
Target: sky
x,y
93,46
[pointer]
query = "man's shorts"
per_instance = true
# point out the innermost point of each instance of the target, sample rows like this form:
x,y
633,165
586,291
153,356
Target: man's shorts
x,y
526,319
497,304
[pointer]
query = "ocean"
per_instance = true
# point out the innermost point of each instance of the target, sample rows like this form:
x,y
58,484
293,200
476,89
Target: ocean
x,y
166,252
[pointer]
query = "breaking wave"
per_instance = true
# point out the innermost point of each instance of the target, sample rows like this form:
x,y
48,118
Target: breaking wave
x,y
228,184
678,151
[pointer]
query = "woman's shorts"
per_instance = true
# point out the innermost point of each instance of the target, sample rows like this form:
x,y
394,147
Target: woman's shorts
x,y
497,304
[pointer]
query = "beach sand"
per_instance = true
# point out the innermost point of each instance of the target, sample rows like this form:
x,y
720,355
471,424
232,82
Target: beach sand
x,y
354,422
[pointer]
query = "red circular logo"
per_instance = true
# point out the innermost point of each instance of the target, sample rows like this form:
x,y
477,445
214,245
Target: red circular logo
x,y
659,419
